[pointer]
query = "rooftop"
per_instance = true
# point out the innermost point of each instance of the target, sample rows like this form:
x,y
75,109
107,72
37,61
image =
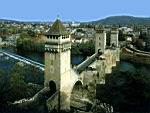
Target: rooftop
x,y
57,29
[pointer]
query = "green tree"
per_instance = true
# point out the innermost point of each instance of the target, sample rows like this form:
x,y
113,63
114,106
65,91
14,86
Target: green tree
x,y
31,33
2,78
126,91
18,87
121,36
86,49
3,86
100,107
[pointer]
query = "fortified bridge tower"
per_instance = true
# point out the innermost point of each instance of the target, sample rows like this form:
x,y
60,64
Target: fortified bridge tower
x,y
57,58
59,76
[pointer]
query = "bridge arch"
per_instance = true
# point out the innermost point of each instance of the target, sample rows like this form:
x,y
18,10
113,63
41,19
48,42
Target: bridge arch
x,y
77,84
52,86
76,92
99,50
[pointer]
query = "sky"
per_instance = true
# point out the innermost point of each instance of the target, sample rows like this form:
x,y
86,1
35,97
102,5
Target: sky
x,y
71,10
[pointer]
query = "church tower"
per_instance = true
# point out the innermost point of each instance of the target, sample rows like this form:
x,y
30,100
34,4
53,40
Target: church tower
x,y
57,56
100,40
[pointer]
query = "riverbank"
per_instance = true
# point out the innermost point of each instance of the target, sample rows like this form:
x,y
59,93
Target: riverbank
x,y
135,56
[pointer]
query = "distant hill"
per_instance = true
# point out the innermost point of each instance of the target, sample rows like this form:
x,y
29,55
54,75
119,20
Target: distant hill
x,y
123,20
112,20
30,22
7,21
23,22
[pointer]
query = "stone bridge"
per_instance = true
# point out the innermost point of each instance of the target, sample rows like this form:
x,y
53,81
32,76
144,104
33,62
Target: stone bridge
x,y
58,72
65,84
93,68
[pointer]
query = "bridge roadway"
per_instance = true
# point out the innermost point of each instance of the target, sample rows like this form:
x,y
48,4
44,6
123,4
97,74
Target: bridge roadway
x,y
81,67
23,59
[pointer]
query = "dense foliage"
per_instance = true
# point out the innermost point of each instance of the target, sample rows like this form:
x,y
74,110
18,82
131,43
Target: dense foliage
x,y
86,49
27,42
146,38
121,36
126,91
14,85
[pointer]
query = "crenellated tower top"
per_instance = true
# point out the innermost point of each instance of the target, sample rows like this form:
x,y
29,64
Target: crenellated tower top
x,y
58,38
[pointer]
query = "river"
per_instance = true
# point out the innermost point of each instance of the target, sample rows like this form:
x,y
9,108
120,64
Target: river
x,y
39,57
77,59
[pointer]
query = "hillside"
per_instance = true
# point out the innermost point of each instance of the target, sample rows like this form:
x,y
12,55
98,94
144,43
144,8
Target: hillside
x,y
112,20
9,21
123,20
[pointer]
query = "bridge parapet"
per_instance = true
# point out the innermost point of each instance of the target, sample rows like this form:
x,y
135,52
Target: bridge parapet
x,y
52,102
81,67
100,67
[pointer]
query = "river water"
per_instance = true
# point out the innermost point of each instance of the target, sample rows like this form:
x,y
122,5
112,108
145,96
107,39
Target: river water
x,y
77,59
39,57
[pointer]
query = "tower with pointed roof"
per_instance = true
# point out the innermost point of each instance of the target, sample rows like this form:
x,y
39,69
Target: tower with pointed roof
x,y
57,56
